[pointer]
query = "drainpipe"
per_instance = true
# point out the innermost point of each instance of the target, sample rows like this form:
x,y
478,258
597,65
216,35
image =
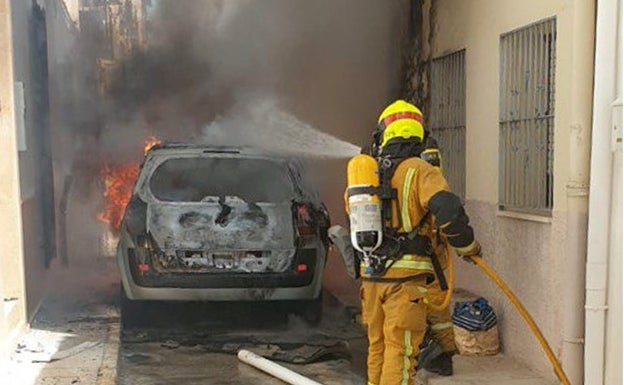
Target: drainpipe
x,y
600,190
577,189
613,333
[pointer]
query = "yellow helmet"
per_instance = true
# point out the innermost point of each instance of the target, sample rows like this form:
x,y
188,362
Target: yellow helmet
x,y
401,120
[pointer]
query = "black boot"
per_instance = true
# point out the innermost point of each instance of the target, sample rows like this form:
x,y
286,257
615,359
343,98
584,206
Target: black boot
x,y
441,364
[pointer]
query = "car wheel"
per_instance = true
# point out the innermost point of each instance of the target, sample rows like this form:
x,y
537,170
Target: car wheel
x,y
132,312
311,311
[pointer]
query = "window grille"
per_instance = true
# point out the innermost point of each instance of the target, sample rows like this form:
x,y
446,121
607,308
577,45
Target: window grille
x,y
527,111
447,118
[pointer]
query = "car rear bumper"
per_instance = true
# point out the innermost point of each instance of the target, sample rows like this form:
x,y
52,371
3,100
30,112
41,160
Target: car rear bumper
x,y
135,292
226,286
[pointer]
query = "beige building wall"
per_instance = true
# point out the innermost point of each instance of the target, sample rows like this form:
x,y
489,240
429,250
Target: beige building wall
x,y
529,252
12,291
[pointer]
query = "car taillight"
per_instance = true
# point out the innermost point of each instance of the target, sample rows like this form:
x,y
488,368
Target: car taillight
x,y
305,223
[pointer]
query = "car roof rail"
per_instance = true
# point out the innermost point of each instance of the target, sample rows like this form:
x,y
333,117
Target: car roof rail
x,y
202,147
221,151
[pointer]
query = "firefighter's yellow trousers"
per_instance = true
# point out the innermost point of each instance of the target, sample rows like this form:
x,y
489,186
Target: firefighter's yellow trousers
x,y
440,322
396,318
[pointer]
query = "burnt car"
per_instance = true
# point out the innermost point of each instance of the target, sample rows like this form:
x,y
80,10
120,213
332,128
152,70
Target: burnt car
x,y
222,224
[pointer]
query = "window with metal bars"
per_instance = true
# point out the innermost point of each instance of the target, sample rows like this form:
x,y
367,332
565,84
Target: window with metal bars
x,y
447,118
527,112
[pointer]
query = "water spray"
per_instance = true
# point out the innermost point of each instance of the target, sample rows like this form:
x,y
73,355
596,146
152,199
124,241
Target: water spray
x,y
263,124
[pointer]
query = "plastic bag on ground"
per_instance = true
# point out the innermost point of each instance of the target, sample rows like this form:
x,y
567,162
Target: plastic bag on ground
x,y
476,328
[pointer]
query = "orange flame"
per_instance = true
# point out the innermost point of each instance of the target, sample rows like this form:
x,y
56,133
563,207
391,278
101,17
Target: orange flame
x,y
118,183
150,142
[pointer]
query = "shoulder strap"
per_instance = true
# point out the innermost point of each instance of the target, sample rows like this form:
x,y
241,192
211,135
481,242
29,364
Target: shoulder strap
x,y
419,227
389,196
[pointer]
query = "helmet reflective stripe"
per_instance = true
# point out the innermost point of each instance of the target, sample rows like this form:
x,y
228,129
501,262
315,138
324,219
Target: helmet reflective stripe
x,y
385,122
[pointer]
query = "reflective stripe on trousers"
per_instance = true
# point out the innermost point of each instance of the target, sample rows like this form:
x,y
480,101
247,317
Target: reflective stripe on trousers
x,y
442,326
407,364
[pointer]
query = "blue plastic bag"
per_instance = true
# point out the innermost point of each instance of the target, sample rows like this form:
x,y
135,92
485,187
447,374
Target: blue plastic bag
x,y
475,315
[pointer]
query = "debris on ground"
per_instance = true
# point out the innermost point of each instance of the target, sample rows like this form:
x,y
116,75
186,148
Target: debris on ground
x,y
73,351
307,354
273,346
170,344
35,351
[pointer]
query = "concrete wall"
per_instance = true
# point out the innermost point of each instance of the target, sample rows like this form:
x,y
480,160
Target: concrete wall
x,y
12,291
64,86
352,96
30,69
530,252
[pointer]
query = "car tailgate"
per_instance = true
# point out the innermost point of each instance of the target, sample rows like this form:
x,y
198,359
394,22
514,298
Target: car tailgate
x,y
213,226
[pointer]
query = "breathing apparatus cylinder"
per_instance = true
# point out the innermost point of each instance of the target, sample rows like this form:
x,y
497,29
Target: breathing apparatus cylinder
x,y
364,204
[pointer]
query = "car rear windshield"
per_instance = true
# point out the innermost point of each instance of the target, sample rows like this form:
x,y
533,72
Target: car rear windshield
x,y
201,179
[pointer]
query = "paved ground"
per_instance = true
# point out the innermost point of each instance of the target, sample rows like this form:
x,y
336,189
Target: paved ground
x,y
197,349
69,346
498,370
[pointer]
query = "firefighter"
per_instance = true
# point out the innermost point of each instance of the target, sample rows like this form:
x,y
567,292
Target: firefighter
x,y
400,210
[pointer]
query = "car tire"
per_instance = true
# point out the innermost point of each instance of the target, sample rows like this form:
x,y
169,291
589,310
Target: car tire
x,y
311,311
132,313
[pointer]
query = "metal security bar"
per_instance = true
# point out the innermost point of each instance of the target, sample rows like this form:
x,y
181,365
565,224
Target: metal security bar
x,y
447,118
527,110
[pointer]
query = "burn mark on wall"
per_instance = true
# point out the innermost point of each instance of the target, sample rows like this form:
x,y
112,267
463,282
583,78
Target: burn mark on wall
x,y
418,57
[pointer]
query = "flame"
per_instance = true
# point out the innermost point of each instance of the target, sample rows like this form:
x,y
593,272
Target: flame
x,y
118,181
150,142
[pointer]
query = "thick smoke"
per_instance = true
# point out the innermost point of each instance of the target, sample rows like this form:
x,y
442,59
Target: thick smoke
x,y
330,64
293,76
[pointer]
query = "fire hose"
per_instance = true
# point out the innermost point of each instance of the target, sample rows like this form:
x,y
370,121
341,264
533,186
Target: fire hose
x,y
525,314
477,260
449,291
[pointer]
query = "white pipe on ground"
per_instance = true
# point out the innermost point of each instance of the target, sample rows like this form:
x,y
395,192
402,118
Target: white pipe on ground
x,y
600,198
274,369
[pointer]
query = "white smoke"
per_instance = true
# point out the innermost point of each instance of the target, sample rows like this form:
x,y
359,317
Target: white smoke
x,y
261,123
